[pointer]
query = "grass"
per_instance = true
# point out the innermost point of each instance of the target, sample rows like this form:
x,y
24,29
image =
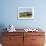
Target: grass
x,y
25,14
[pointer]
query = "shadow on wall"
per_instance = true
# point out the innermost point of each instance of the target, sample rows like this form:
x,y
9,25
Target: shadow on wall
x,y
2,26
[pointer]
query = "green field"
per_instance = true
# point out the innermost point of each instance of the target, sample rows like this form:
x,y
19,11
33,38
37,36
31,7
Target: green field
x,y
25,14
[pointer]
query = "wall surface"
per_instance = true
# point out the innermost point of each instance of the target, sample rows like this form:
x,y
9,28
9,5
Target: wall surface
x,y
9,13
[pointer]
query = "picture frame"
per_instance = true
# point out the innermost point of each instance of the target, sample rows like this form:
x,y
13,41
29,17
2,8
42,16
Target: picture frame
x,y
25,13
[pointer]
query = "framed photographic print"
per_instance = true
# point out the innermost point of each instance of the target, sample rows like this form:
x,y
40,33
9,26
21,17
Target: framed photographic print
x,y
25,13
